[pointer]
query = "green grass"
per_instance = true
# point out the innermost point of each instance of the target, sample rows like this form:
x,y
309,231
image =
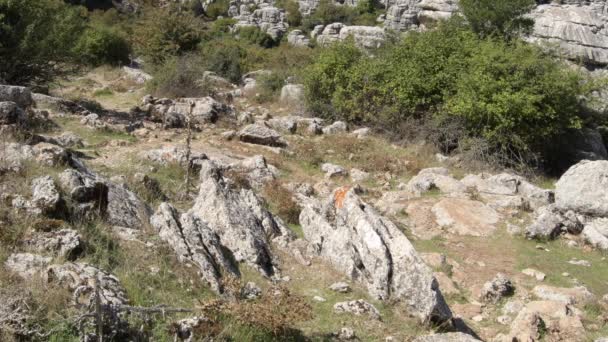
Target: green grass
x,y
103,92
93,137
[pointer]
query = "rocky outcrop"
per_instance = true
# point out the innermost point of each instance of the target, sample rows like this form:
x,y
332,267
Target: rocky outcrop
x,y
292,94
125,208
193,241
465,217
11,113
175,113
447,337
369,248
21,96
239,218
496,289
268,19
368,37
577,29
26,265
261,135
404,15
357,308
65,243
45,195
298,38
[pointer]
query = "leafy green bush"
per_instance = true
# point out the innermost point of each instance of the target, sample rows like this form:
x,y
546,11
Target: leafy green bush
x,y
294,17
163,33
254,35
504,18
510,94
365,13
102,46
269,86
179,77
217,8
224,57
35,37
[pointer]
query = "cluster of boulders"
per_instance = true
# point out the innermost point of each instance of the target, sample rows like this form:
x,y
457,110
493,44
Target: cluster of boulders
x,y
260,14
177,113
580,206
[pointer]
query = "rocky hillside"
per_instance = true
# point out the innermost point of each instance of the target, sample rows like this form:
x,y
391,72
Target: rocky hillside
x,y
282,227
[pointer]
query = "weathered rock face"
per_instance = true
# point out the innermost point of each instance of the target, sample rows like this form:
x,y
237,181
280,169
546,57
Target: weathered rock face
x,y
577,28
261,135
193,241
173,155
298,38
21,96
11,113
368,37
358,308
267,18
239,218
583,189
403,15
26,265
465,217
45,195
496,289
292,94
63,243
174,114
80,278
257,170
125,208
369,248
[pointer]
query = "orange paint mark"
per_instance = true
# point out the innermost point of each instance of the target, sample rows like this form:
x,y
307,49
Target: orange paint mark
x,y
339,196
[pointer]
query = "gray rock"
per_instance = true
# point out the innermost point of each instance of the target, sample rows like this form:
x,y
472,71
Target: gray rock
x,y
595,233
340,287
257,170
332,170
358,308
447,337
369,248
45,195
336,128
26,265
357,175
367,37
185,328
496,289
20,95
10,114
261,135
125,208
292,94
284,124
193,241
65,243
239,218
583,189
80,278
298,38
251,291
346,334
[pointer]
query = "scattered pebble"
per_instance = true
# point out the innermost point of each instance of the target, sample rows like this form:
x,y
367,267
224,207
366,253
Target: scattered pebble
x,y
540,276
319,299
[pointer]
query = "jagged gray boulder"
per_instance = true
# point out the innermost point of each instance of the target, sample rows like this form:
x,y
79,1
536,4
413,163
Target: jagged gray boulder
x,y
65,243
582,189
370,249
496,289
45,195
261,135
367,37
80,279
193,241
257,171
284,124
336,128
298,38
125,208
22,96
595,233
239,218
358,308
10,113
26,265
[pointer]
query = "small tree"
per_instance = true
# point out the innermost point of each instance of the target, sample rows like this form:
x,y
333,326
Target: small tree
x,y
503,18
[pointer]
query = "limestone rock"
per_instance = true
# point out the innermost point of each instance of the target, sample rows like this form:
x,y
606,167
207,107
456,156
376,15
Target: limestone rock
x,y
193,241
292,94
125,208
239,218
367,37
336,128
21,96
369,248
465,217
284,124
26,265
332,170
447,337
10,114
298,38
261,135
582,189
358,308
340,287
499,287
65,243
435,178
574,295
45,195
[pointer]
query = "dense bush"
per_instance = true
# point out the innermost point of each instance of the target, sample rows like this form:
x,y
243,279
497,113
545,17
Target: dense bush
x,y
163,33
327,12
510,94
504,18
217,8
102,46
179,76
254,35
35,36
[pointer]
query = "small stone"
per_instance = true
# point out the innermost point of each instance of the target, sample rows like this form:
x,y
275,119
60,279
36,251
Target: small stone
x,y
346,334
540,276
340,287
504,320
576,262
357,308
497,288
319,299
332,170
251,290
477,318
542,248
571,244
565,274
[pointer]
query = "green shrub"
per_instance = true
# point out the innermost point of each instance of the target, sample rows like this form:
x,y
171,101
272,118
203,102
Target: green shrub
x,y
294,17
504,18
224,57
509,94
163,33
269,86
36,38
254,35
179,77
102,46
217,8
